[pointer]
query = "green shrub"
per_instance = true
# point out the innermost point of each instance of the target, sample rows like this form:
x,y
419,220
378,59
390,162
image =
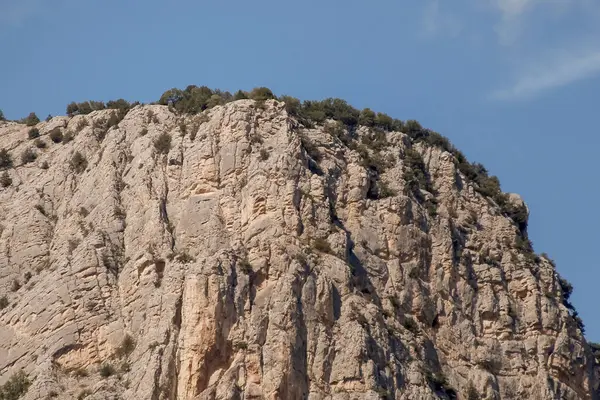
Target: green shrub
x,y
384,121
78,162
33,133
335,128
5,179
264,154
383,190
415,173
68,137
125,367
340,110
2,118
410,324
185,258
163,143
472,393
412,127
27,156
97,105
322,245
31,119
245,266
39,143
214,100
240,95
107,370
399,125
150,117
113,120
120,104
183,128
72,108
15,387
376,140
292,105
85,107
313,111
5,159
49,118
194,99
15,285
82,124
366,117
126,348
312,150
260,104
3,302
565,287
144,132
578,321
56,135
261,93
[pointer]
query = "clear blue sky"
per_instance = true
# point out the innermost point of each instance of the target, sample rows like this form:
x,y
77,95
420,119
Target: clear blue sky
x,y
513,83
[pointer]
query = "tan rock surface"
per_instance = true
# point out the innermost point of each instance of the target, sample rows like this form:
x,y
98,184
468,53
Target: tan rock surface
x,y
241,268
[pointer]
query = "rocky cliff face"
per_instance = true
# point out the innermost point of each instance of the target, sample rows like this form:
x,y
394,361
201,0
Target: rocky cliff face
x,y
255,258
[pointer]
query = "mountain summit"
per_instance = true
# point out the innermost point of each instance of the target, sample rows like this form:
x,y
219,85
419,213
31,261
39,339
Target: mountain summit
x,y
265,249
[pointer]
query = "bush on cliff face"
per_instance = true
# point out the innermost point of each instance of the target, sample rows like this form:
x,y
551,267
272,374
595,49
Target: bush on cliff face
x,y
194,99
78,162
87,107
31,119
261,93
33,133
5,180
415,173
5,159
2,118
56,135
162,144
28,156
15,387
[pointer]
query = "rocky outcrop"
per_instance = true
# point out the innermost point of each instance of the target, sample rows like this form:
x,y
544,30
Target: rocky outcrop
x,y
257,258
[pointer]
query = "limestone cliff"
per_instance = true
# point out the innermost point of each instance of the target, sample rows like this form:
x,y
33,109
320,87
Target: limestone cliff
x,y
254,257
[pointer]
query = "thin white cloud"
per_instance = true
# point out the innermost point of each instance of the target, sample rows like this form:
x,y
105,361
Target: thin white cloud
x,y
514,7
436,21
515,15
565,69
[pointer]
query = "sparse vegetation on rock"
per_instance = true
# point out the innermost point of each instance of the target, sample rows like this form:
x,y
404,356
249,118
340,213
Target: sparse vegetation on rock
x,y
5,159
56,136
28,155
78,162
162,144
107,370
5,180
31,120
39,143
16,387
33,133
